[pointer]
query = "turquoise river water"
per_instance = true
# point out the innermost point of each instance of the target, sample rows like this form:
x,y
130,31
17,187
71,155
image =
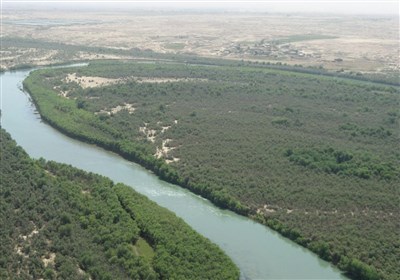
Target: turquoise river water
x,y
259,252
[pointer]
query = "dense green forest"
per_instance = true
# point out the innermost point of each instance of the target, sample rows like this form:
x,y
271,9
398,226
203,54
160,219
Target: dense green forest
x,y
58,222
310,156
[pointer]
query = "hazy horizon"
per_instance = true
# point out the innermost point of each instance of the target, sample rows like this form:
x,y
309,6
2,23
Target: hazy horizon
x,y
324,7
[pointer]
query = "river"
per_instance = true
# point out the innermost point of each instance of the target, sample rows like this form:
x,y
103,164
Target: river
x,y
259,252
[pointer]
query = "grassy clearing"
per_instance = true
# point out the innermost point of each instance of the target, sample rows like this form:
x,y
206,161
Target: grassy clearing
x,y
144,249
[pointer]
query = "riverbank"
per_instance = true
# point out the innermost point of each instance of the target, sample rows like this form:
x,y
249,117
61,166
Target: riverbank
x,y
253,247
353,268
143,154
85,220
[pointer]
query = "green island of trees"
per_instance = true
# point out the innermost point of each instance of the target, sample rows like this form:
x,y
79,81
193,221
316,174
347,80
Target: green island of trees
x,y
58,222
311,156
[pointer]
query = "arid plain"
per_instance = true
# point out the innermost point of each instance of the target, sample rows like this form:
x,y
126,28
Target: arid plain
x,y
351,43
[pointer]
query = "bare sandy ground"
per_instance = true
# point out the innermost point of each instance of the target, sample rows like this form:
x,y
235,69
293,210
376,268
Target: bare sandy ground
x,y
361,43
126,106
90,82
165,149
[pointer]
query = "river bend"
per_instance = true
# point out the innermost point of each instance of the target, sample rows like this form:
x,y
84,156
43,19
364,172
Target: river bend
x,y
259,252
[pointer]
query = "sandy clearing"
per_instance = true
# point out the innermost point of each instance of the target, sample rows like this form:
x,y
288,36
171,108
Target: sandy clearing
x,y
174,159
18,250
149,133
90,82
126,106
164,150
165,128
266,209
29,236
61,92
49,260
26,238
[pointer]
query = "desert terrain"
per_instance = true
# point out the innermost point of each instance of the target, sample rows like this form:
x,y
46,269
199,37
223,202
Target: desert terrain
x,y
349,43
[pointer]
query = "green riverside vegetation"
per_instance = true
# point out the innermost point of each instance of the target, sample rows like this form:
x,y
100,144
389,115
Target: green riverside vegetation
x,y
311,156
58,222
67,52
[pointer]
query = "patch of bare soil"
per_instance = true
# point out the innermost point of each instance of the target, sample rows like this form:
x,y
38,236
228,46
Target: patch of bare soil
x,y
149,133
163,152
90,82
49,259
126,106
